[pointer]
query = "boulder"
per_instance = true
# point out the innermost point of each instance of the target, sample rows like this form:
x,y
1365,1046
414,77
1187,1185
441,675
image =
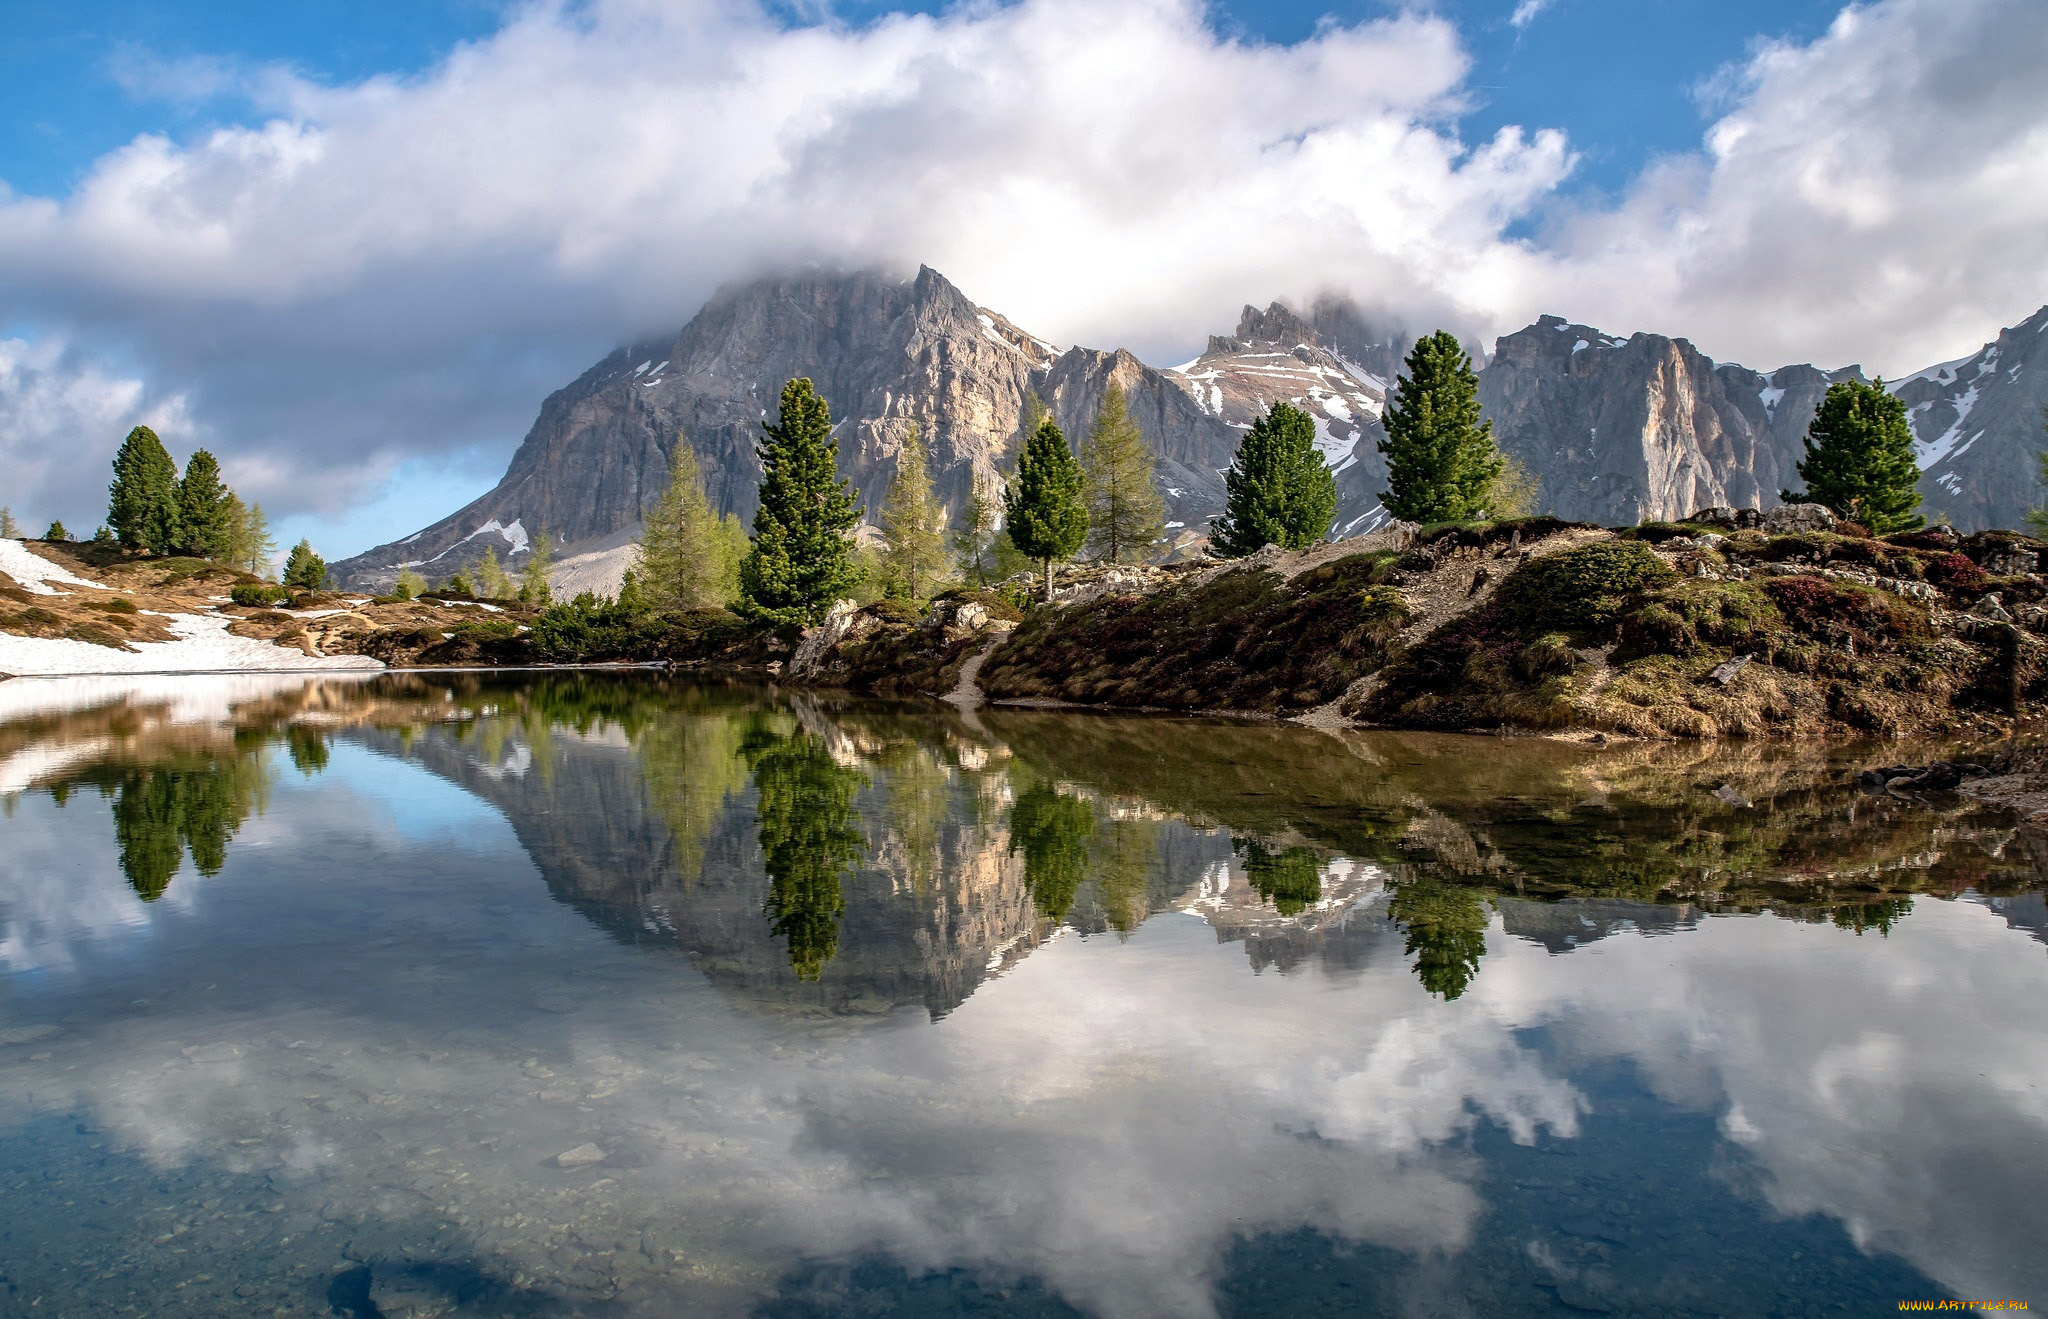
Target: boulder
x,y
1791,519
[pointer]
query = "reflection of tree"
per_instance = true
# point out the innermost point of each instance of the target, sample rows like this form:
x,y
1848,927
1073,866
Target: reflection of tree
x,y
1290,879
692,765
160,813
920,792
1124,857
308,748
1879,915
805,813
1446,926
1052,832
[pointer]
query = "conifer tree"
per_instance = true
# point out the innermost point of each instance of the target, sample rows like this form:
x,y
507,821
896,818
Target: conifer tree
x,y
685,559
809,837
142,505
1126,516
9,528
914,543
492,581
304,568
249,546
409,584
203,508
57,531
1859,458
535,586
802,555
461,584
1441,459
1279,490
1048,519
974,537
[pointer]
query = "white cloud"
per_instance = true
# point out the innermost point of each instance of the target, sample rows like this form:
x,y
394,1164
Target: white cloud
x,y
1526,12
403,267
1874,196
61,413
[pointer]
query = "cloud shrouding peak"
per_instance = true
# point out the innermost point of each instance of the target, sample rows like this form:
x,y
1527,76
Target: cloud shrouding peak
x,y
402,267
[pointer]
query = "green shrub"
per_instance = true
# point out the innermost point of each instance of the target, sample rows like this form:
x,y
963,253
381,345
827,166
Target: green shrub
x,y
259,595
114,606
1586,589
1687,617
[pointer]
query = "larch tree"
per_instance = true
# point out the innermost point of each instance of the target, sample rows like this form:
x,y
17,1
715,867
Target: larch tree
x,y
1859,458
203,510
1278,489
1442,464
1047,515
249,546
142,500
9,528
536,585
802,556
974,538
1126,516
686,561
492,581
912,524
409,584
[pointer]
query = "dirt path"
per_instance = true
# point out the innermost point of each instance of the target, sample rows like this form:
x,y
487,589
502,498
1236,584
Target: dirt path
x,y
1440,595
966,693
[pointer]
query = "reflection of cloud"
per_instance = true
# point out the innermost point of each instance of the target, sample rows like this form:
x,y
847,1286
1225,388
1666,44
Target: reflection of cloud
x,y
1894,1086
420,1025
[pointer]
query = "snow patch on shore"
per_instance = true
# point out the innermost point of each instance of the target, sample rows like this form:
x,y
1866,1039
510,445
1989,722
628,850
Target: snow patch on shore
x,y
204,645
34,573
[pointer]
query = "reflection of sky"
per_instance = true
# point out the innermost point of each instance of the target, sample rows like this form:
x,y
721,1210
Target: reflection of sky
x,y
381,1005
402,796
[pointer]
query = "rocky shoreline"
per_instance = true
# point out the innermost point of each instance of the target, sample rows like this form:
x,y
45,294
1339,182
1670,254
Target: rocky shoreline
x,y
1733,623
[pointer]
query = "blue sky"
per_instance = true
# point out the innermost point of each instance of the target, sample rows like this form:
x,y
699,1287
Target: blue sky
x,y
359,295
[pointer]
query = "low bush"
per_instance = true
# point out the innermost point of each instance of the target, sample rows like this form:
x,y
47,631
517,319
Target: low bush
x,y
1956,572
1829,610
1583,590
259,595
113,606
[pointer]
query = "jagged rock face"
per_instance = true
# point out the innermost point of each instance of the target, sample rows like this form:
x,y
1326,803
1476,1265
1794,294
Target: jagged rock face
x,y
1615,430
886,354
1620,430
1278,356
1978,423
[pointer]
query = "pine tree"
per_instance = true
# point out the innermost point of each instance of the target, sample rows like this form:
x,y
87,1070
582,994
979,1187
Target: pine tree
x,y
492,582
802,555
9,528
535,587
57,531
142,505
685,561
203,508
305,568
1859,459
1126,516
460,584
409,584
1048,519
1441,459
1279,490
914,544
1052,830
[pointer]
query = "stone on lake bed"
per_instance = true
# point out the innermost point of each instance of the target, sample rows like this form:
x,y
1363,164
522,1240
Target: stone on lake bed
x,y
586,1153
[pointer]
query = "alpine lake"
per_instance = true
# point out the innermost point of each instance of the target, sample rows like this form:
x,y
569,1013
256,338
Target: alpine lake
x,y
618,994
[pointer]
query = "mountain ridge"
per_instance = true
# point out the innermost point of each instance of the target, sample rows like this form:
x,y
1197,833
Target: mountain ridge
x,y
1615,429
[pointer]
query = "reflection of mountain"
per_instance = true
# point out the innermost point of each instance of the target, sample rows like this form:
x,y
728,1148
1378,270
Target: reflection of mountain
x,y
594,824
1574,922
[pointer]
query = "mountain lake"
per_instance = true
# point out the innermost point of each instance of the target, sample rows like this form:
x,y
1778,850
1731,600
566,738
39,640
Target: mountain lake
x,y
617,994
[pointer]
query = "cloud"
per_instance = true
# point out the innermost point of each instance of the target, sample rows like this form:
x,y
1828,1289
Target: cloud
x,y
60,411
1526,13
1873,196
399,269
